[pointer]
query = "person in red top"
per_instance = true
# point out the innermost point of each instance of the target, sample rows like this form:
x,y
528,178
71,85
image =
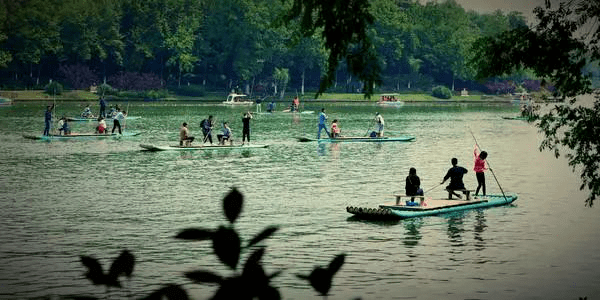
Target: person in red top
x,y
295,104
479,167
335,130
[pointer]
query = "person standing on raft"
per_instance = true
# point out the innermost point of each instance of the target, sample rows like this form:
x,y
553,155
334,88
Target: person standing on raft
x,y
322,123
479,167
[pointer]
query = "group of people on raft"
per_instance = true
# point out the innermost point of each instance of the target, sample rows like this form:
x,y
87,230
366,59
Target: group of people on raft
x,y
455,174
63,127
335,129
185,139
294,106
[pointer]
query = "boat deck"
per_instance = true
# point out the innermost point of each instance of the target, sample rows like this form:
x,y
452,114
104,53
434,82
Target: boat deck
x,y
430,204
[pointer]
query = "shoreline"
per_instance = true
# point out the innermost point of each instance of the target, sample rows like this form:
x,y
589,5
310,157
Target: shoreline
x,y
85,96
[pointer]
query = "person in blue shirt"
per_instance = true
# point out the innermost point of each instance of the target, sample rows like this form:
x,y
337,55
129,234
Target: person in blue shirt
x,y
456,179
48,119
322,123
226,136
271,107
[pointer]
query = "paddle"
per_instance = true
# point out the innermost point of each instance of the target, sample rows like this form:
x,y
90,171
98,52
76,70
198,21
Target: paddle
x,y
431,189
488,162
207,135
369,129
125,121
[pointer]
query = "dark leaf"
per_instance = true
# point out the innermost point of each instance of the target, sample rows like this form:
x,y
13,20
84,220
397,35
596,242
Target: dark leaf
x,y
232,205
227,246
233,288
196,234
122,265
94,270
277,274
171,292
204,277
263,235
320,279
336,264
253,273
269,293
256,256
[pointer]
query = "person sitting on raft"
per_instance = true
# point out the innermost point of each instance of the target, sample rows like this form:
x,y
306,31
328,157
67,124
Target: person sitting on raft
x,y
87,112
101,128
184,136
413,184
65,127
335,130
456,179
226,136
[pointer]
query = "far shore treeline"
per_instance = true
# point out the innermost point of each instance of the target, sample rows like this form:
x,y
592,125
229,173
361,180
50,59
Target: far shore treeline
x,y
191,47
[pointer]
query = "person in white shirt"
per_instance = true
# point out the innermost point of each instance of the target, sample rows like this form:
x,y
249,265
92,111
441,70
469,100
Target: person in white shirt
x,y
117,120
380,123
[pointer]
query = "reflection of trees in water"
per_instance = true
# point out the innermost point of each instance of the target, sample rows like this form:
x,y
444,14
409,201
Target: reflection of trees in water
x,y
413,235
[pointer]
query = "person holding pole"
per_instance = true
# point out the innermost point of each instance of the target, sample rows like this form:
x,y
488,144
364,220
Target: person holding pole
x,y
48,119
207,125
380,123
479,167
322,123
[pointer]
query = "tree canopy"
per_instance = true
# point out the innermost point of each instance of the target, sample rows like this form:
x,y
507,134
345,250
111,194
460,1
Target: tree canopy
x,y
343,46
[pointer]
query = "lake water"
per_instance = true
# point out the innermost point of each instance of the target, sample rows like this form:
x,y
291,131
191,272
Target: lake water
x,y
62,199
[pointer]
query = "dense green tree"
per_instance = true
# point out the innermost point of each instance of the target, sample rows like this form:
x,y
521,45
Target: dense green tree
x,y
344,27
555,50
179,22
445,34
90,32
5,56
235,43
33,32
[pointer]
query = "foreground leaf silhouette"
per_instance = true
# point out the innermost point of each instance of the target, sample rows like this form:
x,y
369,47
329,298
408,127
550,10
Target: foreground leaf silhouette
x,y
321,278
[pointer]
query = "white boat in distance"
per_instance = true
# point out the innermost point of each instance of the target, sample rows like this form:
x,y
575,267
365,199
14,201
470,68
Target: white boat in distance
x,y
237,99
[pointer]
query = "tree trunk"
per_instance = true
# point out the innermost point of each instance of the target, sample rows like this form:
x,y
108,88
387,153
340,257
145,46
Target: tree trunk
x,y
179,79
302,89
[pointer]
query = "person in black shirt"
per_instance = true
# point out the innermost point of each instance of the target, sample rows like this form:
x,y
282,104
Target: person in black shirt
x,y
207,125
413,184
246,127
456,179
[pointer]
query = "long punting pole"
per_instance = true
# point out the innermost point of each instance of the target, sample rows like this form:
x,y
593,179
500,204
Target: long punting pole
x,y
489,166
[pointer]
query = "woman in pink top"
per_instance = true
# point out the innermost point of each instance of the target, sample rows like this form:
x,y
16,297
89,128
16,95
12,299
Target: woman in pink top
x,y
335,130
479,168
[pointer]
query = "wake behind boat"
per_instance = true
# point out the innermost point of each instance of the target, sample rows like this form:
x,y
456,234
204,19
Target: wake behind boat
x,y
75,136
200,147
359,139
429,207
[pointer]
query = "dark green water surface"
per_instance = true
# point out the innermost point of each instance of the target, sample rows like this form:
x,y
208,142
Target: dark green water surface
x,y
62,199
